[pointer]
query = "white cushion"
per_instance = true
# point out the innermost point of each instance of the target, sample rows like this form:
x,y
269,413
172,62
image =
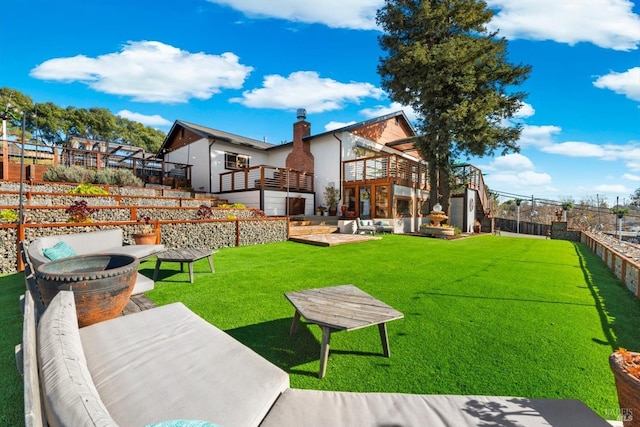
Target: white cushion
x,y
168,363
312,408
70,397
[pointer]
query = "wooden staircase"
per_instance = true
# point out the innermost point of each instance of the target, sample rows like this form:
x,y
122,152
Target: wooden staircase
x,y
307,226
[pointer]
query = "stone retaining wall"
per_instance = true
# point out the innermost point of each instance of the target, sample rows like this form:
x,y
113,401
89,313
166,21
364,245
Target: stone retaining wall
x,y
214,234
622,258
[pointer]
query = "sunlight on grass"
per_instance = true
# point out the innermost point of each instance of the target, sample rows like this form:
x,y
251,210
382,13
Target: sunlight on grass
x,y
486,315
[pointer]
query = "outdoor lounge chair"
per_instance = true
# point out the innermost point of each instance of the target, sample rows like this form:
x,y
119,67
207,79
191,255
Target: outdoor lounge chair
x,y
365,226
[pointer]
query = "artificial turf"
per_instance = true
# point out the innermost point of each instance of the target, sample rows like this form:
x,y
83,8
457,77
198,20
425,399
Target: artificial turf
x,y
485,315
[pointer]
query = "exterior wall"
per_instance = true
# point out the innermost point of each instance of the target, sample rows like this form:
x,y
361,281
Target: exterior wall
x,y
388,130
250,199
625,269
328,169
197,153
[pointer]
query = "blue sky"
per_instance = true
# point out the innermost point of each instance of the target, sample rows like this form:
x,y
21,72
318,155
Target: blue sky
x,y
245,66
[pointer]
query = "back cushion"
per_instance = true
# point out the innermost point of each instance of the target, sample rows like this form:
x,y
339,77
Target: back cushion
x,y
70,397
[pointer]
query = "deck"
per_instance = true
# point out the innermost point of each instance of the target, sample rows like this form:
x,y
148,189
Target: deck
x,y
138,303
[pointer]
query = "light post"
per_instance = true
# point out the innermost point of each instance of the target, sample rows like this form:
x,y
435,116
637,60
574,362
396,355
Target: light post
x,y
518,201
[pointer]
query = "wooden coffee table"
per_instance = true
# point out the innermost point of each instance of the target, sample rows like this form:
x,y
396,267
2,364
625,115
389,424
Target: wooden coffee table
x,y
341,308
187,255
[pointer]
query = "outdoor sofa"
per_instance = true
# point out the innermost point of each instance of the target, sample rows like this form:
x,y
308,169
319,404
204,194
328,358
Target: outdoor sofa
x,y
102,241
167,363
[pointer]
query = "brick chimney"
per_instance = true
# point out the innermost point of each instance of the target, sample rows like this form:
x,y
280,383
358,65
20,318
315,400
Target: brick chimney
x,y
300,158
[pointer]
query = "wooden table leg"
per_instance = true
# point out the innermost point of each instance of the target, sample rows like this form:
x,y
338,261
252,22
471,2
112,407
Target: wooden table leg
x,y
155,272
190,272
213,270
324,351
382,327
294,324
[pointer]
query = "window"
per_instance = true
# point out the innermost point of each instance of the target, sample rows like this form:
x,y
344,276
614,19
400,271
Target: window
x,y
403,206
235,161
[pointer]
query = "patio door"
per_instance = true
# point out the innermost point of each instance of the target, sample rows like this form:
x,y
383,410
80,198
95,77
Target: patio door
x,y
364,197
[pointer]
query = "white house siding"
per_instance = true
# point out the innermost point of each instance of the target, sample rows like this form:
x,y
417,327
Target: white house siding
x,y
328,164
275,203
250,199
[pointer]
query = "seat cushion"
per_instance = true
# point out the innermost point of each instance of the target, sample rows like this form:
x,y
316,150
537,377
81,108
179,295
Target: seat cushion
x,y
167,363
143,284
70,396
312,408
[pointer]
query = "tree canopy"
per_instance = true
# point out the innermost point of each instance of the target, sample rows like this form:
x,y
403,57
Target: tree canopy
x,y
53,125
444,63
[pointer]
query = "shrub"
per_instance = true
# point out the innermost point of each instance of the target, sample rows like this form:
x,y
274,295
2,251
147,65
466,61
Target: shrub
x,y
9,215
69,174
79,211
119,177
105,176
126,178
204,212
87,188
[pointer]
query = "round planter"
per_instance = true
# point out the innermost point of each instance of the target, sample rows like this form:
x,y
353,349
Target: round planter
x,y
101,283
628,388
145,238
436,231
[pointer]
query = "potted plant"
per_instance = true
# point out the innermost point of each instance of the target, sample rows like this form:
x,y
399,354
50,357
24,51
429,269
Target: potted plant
x,y
626,372
331,198
148,235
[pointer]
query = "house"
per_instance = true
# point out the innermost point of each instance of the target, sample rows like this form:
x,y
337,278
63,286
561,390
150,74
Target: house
x,y
373,164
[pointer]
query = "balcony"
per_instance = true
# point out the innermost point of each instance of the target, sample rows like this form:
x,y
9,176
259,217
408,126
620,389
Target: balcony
x,y
266,178
389,168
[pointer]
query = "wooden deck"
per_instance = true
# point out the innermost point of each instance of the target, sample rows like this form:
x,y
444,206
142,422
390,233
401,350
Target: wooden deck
x,y
138,303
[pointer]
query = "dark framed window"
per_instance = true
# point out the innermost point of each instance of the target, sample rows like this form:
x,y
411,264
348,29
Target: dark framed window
x,y
236,161
403,206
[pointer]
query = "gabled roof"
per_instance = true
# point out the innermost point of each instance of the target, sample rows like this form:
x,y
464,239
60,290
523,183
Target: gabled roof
x,y
215,134
210,133
369,122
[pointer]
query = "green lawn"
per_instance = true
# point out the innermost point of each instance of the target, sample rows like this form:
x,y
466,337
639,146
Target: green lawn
x,y
484,315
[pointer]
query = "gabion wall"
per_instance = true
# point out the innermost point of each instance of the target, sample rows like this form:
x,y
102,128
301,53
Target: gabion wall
x,y
196,234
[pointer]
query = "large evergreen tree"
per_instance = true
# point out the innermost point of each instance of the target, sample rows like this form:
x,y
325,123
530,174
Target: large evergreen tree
x,y
444,63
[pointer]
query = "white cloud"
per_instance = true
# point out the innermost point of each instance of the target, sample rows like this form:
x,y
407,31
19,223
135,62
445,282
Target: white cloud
x,y
154,120
526,110
337,125
381,110
511,162
610,24
575,149
516,173
630,177
305,89
150,71
354,14
612,189
627,83
538,136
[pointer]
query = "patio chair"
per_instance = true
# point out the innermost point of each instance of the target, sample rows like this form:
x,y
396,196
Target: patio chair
x,y
365,226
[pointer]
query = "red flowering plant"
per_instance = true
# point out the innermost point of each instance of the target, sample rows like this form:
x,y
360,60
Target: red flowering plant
x,y
80,211
630,362
147,228
204,212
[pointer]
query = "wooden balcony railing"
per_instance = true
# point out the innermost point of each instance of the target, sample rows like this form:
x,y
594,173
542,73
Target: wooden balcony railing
x,y
392,168
266,177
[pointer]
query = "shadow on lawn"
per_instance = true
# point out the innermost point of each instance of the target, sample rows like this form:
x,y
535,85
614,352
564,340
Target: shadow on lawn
x,y
272,341
618,308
